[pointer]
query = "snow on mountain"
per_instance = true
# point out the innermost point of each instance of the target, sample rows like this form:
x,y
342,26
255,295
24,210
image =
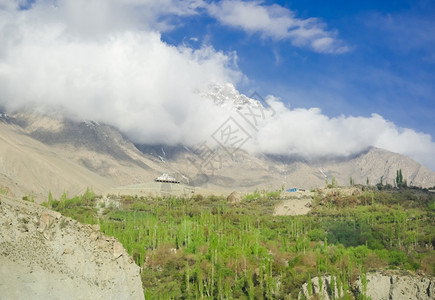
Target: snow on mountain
x,y
226,95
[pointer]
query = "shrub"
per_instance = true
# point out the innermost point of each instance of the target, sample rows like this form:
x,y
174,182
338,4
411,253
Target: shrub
x,y
197,197
317,234
396,258
273,195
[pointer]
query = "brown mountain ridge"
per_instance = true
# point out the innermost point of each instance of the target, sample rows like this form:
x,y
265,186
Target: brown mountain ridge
x,y
48,153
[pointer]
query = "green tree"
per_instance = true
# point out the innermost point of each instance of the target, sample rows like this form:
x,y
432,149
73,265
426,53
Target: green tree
x,y
50,200
310,285
399,179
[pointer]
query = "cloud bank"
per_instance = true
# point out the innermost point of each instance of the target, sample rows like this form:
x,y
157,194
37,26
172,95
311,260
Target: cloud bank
x,y
119,75
278,23
310,133
105,61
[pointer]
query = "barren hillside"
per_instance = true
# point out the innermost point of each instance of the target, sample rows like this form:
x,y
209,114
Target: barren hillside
x,y
47,256
28,167
41,153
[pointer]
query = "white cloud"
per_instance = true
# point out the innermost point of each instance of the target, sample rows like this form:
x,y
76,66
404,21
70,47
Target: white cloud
x,y
7,5
311,134
278,23
123,76
11,4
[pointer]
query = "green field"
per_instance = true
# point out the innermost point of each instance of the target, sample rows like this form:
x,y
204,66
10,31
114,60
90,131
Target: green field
x,y
205,247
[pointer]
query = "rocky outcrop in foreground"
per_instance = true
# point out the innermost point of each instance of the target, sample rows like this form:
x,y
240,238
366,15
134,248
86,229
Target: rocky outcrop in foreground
x,y
44,255
395,286
380,286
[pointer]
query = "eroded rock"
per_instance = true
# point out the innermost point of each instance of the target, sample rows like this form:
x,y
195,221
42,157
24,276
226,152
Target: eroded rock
x,y
58,258
117,249
389,285
234,197
45,221
395,286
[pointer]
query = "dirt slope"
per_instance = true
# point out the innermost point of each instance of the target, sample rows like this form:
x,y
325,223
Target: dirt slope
x,y
30,167
47,256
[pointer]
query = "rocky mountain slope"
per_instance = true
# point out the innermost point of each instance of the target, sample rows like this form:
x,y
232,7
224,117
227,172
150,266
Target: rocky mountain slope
x,y
42,153
381,285
29,167
47,256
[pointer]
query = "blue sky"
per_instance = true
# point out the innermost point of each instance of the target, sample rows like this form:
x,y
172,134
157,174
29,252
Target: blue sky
x,y
389,68
342,76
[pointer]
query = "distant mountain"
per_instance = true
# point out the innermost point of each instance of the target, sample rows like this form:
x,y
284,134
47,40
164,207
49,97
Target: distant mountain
x,y
226,95
244,171
31,168
42,153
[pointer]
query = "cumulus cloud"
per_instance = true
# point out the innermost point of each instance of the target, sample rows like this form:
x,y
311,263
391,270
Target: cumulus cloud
x,y
116,69
279,23
119,75
311,134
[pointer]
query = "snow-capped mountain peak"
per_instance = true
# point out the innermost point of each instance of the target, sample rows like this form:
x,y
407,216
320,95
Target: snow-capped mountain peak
x,y
227,96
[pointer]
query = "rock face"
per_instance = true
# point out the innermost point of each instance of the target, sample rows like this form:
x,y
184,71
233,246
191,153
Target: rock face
x,y
380,286
234,197
47,256
327,289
